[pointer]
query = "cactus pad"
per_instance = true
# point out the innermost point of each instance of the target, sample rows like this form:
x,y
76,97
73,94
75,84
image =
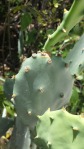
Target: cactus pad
x,y
76,57
8,87
43,82
61,130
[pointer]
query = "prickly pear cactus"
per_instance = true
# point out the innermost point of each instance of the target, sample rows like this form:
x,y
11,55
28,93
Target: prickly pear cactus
x,y
42,82
21,136
46,82
61,130
75,58
74,15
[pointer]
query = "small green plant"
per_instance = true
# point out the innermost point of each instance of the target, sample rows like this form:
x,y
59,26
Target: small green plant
x,y
45,81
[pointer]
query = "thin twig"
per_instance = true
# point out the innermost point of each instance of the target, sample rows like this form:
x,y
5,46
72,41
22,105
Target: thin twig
x,y
3,42
9,43
2,80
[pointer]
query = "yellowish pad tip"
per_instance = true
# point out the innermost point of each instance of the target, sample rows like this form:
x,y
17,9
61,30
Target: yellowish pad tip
x,y
39,116
65,10
82,115
36,137
64,109
49,36
49,143
14,95
29,112
3,137
48,110
64,30
44,54
75,128
27,69
49,61
14,76
8,135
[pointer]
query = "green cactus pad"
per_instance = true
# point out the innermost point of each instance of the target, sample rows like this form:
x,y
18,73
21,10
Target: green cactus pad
x,y
76,57
74,15
60,129
43,82
8,87
20,137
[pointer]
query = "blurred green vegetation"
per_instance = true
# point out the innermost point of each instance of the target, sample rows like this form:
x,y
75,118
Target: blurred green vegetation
x,y
2,97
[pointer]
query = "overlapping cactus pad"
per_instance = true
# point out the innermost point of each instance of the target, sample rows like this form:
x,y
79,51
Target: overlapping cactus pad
x,y
43,81
8,87
75,58
60,130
